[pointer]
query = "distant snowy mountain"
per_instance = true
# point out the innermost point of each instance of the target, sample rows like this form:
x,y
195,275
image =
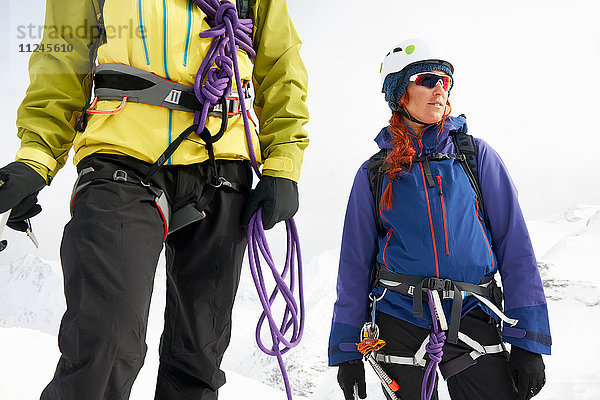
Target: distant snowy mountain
x,y
568,254
570,267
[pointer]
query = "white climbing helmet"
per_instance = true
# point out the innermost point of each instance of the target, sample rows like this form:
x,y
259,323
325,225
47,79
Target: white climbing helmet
x,y
408,52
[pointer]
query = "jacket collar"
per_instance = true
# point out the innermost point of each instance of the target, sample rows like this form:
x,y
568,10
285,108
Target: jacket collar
x,y
430,138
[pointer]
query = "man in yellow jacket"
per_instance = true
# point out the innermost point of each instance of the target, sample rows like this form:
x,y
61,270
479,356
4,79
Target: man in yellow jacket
x,y
124,209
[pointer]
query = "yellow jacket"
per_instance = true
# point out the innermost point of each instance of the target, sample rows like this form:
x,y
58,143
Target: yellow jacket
x,y
160,36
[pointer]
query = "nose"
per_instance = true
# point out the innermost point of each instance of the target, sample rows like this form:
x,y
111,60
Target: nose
x,y
439,87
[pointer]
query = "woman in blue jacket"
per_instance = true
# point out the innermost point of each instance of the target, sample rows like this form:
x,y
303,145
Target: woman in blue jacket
x,y
419,254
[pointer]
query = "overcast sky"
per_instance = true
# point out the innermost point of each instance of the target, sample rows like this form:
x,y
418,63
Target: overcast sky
x,y
524,76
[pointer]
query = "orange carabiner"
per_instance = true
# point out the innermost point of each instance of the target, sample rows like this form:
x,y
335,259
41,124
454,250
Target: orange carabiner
x,y
109,112
368,345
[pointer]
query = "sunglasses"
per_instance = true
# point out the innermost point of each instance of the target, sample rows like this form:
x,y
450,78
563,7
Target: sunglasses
x,y
429,79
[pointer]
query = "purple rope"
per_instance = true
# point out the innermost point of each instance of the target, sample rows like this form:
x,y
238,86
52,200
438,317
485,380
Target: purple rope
x,y
230,33
437,339
293,315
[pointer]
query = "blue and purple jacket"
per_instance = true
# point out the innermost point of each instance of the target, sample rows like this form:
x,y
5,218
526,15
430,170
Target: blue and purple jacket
x,y
439,232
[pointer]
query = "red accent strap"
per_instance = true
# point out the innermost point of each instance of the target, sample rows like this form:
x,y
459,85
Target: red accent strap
x,y
162,216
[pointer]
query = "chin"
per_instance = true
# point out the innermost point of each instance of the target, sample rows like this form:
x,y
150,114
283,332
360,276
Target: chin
x,y
432,119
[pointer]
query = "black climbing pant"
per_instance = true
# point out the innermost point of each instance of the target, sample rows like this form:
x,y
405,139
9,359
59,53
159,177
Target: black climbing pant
x,y
109,253
488,379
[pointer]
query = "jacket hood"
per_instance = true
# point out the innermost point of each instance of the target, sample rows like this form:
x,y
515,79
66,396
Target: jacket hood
x,y
430,138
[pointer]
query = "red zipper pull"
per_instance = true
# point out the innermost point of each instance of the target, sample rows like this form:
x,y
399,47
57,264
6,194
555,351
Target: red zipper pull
x,y
420,145
439,179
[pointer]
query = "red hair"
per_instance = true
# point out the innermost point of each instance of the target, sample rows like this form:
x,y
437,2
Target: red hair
x,y
399,159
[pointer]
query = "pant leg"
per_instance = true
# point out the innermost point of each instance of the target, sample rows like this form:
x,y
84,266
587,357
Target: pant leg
x,y
489,379
403,339
109,253
203,270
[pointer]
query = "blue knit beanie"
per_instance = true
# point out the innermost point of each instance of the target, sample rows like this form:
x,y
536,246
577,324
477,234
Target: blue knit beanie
x,y
395,84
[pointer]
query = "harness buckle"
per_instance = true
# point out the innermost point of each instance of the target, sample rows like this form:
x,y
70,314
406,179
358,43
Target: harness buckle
x,y
448,291
433,283
120,175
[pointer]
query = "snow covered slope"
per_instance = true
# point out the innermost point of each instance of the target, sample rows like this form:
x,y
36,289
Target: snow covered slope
x,y
31,295
568,253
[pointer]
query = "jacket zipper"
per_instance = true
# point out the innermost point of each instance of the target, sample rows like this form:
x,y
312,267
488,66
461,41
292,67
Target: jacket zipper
x,y
388,236
483,231
143,31
437,268
166,68
439,180
186,53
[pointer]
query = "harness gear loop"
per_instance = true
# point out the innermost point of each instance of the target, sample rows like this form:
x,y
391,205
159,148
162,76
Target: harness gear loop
x,y
92,110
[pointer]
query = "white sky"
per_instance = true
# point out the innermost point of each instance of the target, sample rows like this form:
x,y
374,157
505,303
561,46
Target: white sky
x,y
525,78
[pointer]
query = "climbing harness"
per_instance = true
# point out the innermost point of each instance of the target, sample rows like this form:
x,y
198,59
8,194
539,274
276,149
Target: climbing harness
x,y
436,291
414,286
134,85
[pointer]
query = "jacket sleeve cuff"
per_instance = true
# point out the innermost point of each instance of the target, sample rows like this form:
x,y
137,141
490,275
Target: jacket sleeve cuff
x,y
532,332
283,165
38,160
342,343
279,167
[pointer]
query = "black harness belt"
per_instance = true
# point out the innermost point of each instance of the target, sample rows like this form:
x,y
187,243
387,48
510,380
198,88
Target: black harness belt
x,y
116,81
414,286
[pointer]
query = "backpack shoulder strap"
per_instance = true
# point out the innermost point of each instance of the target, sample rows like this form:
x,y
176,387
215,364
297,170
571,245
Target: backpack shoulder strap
x,y
98,7
375,173
465,145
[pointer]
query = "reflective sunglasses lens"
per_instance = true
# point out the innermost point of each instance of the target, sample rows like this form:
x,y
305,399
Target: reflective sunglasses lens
x,y
430,80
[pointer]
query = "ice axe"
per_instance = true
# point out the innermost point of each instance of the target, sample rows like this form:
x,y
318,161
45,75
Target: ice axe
x,y
3,220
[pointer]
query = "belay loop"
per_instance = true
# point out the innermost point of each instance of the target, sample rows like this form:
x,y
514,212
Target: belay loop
x,y
229,34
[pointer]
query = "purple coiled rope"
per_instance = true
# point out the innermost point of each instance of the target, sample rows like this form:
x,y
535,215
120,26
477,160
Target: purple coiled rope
x,y
294,313
230,33
437,339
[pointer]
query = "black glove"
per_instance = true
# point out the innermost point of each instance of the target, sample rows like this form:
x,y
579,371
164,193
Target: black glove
x,y
351,373
19,192
527,370
278,198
